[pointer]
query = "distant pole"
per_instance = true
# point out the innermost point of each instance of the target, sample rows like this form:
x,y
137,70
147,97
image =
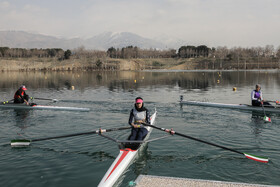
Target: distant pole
x,y
238,62
272,60
213,63
258,61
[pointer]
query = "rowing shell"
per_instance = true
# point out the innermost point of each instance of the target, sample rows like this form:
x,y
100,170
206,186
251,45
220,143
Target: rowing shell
x,y
232,106
124,159
40,107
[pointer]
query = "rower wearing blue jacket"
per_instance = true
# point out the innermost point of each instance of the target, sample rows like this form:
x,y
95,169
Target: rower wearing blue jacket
x,y
138,115
257,98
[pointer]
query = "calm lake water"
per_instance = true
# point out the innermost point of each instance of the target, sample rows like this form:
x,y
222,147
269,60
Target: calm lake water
x,y
83,160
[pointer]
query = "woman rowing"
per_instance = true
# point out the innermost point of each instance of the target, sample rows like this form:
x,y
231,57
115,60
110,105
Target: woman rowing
x,y
20,95
257,98
138,115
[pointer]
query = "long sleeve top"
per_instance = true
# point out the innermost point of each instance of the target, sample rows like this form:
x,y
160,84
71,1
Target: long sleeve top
x,y
136,115
256,95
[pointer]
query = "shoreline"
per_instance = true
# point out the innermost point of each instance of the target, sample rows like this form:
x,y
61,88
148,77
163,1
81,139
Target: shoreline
x,y
109,64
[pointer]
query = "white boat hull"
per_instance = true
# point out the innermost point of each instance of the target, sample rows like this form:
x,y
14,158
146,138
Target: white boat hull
x,y
121,163
232,106
40,107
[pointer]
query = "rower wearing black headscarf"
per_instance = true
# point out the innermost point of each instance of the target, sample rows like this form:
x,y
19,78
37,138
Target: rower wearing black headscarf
x,y
138,115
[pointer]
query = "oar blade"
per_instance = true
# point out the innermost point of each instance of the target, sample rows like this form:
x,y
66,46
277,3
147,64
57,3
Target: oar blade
x,y
256,158
20,143
267,119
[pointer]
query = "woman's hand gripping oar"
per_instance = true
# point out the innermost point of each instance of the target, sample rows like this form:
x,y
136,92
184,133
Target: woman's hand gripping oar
x,y
250,156
24,142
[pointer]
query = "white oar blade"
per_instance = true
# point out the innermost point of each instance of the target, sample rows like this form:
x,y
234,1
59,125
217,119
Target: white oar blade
x,y
19,143
256,158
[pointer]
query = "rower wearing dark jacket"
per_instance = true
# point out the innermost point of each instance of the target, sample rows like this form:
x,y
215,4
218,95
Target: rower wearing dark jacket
x,y
20,95
138,115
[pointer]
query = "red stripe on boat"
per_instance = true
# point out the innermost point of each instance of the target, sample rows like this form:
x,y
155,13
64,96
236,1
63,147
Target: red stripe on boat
x,y
125,152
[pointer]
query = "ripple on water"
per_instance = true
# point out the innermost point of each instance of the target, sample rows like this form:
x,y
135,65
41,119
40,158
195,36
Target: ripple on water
x,y
83,160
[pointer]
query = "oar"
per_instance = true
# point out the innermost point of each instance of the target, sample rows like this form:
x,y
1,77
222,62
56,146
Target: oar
x,y
24,142
276,102
265,118
250,156
46,99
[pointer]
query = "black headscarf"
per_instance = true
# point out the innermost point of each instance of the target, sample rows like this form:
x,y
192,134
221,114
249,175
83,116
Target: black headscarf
x,y
142,108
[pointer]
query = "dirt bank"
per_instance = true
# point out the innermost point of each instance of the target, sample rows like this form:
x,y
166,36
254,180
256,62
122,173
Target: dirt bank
x,y
49,64
87,64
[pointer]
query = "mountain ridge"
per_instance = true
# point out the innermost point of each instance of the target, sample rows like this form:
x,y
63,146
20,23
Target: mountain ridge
x,y
103,41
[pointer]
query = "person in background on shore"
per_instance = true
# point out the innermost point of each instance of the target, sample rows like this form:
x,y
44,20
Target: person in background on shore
x,y
138,115
20,95
257,98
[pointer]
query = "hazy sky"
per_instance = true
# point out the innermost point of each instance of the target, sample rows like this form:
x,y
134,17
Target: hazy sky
x,y
212,22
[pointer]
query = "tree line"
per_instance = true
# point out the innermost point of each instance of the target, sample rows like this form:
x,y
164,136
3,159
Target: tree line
x,y
221,55
195,52
135,52
124,53
29,53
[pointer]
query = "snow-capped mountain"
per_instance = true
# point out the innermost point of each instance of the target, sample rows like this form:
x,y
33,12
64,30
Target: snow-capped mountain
x,y
21,39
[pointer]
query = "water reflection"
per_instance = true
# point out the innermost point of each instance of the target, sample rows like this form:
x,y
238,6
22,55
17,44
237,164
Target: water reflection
x,y
126,80
258,122
21,117
141,161
21,120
